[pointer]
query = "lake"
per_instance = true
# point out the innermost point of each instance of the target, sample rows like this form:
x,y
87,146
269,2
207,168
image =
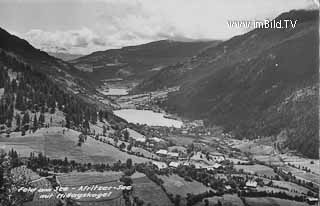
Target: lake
x,y
147,117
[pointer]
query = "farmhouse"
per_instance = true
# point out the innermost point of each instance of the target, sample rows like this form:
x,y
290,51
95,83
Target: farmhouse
x,y
156,139
173,154
160,165
214,166
174,164
162,152
251,184
312,200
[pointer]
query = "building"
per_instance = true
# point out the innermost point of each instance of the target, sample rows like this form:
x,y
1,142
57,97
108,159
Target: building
x,y
160,165
173,154
251,184
312,200
174,164
162,152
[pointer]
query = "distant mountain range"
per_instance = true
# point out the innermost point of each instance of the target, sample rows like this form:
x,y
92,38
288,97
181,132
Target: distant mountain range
x,y
258,84
64,56
137,62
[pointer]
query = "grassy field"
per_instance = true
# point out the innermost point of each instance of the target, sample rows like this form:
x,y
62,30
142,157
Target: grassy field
x,y
290,186
87,178
258,169
176,185
300,174
150,192
181,140
56,145
226,200
269,201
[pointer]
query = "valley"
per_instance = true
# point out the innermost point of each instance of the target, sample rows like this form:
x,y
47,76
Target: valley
x,y
179,123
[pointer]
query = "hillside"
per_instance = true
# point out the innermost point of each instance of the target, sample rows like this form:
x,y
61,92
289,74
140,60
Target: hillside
x,y
34,84
137,62
64,56
256,84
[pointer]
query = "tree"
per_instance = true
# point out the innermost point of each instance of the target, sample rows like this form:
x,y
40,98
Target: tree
x,y
122,146
129,147
41,119
104,130
126,135
35,123
129,163
9,194
18,121
25,120
177,200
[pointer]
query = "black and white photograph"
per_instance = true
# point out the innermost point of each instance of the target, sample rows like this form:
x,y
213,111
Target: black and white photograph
x,y
159,103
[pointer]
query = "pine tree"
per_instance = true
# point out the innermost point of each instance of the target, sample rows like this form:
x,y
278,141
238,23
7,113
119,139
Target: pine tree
x,y
35,123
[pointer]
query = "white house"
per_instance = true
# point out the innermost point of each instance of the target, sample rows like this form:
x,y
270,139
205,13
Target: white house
x,y
162,152
156,139
251,183
174,164
160,165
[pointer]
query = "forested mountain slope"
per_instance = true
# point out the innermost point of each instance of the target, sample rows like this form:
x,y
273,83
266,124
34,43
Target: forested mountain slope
x,y
137,62
256,84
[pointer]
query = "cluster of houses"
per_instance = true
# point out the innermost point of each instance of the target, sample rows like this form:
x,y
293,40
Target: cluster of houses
x,y
197,159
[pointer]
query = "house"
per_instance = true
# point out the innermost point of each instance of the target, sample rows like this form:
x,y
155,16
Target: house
x,y
174,164
173,154
214,166
251,184
136,135
160,165
228,187
312,200
162,152
156,139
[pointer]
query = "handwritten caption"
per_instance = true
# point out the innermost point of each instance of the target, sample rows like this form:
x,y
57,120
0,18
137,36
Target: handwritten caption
x,y
78,192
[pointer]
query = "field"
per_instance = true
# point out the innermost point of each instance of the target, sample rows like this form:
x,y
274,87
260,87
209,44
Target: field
x,y
226,200
181,140
257,169
149,192
56,145
269,201
175,184
254,147
290,186
300,174
88,178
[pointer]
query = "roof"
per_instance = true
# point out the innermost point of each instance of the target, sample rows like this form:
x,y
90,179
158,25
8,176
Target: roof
x,y
251,183
162,151
160,165
174,164
173,154
156,139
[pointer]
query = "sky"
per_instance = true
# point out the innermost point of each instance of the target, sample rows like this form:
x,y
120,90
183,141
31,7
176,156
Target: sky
x,y
85,26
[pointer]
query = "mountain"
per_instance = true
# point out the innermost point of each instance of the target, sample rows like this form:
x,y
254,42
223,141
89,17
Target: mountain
x,y
260,83
64,56
58,71
137,62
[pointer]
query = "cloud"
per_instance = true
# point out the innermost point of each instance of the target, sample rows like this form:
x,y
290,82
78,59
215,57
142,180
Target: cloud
x,y
84,26
83,40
